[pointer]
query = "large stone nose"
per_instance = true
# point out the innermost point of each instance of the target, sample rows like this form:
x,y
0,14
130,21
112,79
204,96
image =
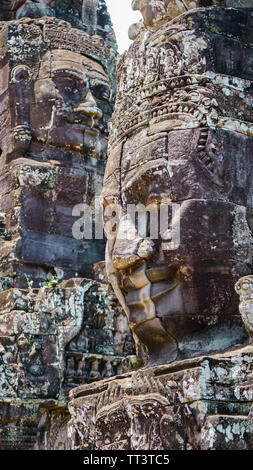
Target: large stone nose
x,y
130,248
89,107
129,254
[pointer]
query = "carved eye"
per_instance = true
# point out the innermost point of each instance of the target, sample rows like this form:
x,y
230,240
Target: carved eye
x,y
71,88
101,91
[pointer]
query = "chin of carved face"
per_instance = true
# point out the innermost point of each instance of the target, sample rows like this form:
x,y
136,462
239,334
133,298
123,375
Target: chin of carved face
x,y
71,96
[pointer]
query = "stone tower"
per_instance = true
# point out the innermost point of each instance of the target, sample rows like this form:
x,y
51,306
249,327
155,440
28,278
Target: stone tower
x,y
178,209
59,325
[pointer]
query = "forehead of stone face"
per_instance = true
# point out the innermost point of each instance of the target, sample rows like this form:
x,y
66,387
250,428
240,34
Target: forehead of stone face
x,y
61,59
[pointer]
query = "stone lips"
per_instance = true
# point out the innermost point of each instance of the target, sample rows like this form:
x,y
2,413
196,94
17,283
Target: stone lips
x,y
182,133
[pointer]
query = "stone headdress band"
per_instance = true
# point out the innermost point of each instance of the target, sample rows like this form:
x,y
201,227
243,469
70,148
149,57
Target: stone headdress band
x,y
18,36
79,41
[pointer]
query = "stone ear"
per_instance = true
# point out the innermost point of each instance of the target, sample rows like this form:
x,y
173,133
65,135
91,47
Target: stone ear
x,y
22,91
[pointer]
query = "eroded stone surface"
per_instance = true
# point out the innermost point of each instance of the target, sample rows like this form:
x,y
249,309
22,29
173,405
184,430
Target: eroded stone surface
x,y
159,11
58,329
196,404
181,139
51,340
88,15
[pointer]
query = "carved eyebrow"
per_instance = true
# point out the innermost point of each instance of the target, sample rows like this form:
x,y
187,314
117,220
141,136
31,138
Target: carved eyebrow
x,y
69,72
146,168
98,82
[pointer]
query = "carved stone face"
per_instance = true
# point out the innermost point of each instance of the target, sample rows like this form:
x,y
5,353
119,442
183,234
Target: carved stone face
x,y
66,106
178,141
68,96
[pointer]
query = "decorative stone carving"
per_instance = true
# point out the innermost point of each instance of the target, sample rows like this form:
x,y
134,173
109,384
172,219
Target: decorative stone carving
x,y
52,340
196,404
181,141
88,15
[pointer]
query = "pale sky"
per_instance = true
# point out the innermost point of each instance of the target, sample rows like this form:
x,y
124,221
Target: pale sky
x,y
122,17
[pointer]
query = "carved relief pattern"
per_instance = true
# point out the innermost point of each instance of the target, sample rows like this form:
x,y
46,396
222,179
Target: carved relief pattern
x,y
177,407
